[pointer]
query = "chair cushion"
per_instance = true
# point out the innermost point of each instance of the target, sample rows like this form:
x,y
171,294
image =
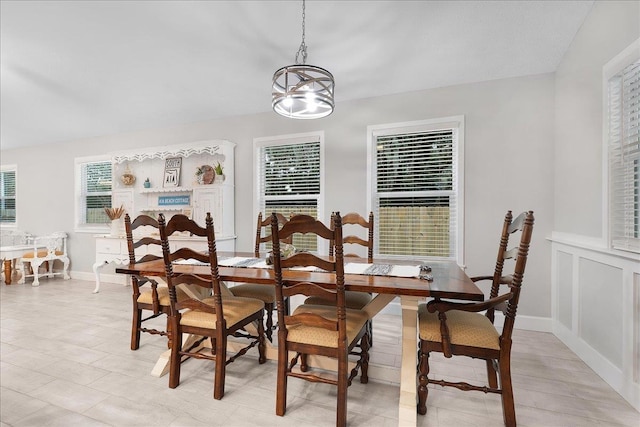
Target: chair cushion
x,y
265,293
354,300
356,319
146,296
41,254
235,309
465,328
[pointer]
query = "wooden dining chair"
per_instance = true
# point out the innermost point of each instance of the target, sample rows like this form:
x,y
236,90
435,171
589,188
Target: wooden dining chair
x,y
147,295
326,330
214,317
356,300
261,292
455,328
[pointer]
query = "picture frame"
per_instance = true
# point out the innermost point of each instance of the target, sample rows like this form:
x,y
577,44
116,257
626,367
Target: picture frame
x,y
172,167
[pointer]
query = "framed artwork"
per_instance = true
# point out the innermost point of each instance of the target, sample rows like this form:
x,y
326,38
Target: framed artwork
x,y
172,168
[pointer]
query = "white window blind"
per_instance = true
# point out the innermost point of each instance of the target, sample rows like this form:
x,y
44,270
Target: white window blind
x,y
624,157
95,192
416,191
289,180
8,196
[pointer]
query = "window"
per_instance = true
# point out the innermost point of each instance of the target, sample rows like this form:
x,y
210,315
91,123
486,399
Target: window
x,y
93,192
415,188
622,118
289,178
8,194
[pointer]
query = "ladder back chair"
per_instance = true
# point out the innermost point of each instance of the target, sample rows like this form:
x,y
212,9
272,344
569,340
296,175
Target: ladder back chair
x,y
147,295
46,250
357,300
326,330
455,328
213,317
264,293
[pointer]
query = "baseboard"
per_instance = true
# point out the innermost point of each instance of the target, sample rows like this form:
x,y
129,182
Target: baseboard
x,y
119,279
610,373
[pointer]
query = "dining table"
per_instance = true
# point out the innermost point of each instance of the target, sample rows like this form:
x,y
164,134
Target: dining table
x,y
437,279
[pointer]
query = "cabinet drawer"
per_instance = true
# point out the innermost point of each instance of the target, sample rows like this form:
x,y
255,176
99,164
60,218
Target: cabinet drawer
x,y
110,246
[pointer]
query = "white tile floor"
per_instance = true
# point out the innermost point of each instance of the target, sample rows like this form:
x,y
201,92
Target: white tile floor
x,y
65,361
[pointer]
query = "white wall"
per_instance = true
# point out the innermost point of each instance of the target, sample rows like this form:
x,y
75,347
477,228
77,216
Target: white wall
x,y
596,291
609,28
509,147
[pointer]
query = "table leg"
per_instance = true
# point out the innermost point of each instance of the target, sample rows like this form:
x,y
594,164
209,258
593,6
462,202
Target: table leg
x,y
162,365
96,271
407,411
7,271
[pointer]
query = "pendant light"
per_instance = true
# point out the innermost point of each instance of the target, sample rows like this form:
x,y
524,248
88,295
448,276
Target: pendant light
x,y
302,91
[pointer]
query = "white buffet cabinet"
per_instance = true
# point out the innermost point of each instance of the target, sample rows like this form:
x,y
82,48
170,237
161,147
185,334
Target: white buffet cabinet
x,y
194,198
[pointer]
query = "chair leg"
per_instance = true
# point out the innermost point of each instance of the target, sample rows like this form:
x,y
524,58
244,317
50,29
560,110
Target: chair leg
x,y
370,330
491,374
169,327
136,324
268,306
176,346
36,268
423,380
341,412
283,364
508,405
221,362
262,357
22,274
364,357
65,268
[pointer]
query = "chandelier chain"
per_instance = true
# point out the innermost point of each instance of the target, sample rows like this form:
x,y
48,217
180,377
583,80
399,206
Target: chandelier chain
x,y
303,47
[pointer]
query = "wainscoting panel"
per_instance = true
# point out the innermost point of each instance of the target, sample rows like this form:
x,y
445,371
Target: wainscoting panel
x,y
596,309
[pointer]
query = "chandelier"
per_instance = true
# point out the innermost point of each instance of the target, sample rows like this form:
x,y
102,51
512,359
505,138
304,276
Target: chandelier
x,y
302,91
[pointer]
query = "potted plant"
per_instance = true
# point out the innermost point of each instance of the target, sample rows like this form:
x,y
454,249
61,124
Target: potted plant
x,y
219,173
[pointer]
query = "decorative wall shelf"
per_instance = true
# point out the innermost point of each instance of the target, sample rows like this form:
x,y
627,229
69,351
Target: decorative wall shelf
x,y
166,190
164,208
186,150
148,164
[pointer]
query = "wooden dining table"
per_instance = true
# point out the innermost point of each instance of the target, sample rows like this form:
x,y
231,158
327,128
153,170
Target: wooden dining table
x,y
448,281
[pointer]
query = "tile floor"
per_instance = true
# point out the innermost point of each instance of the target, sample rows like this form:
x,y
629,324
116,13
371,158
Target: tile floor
x,y
65,361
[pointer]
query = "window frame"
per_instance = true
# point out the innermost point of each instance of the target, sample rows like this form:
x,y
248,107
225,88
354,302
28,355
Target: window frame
x,y
456,123
79,226
289,139
610,70
11,168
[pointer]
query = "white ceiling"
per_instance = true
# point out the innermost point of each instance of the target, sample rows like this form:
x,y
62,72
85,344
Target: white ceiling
x,y
71,69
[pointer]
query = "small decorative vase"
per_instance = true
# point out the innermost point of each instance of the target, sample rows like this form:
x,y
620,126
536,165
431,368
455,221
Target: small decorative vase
x,y
116,227
147,184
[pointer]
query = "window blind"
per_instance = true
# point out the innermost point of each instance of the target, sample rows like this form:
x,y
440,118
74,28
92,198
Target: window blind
x,y
416,193
289,182
8,197
96,192
624,157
